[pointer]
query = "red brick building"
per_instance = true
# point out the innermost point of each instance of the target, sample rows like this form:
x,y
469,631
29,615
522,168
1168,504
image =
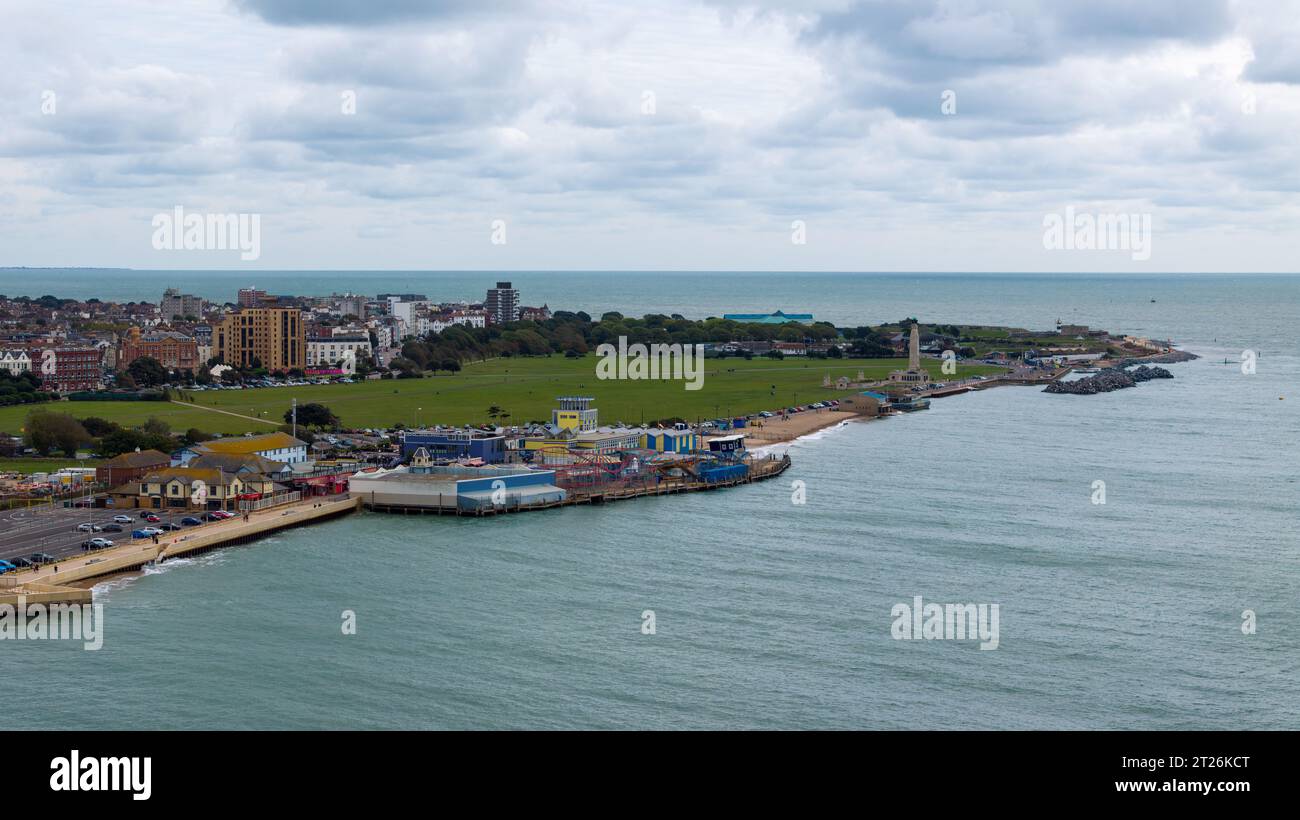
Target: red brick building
x,y
130,467
175,351
75,368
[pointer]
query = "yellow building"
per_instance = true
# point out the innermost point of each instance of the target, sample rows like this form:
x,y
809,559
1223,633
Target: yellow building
x,y
575,413
273,338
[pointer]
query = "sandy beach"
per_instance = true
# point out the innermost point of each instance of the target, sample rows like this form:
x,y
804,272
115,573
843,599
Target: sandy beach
x,y
776,430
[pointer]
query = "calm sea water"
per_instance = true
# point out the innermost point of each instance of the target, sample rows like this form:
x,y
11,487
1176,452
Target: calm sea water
x,y
772,614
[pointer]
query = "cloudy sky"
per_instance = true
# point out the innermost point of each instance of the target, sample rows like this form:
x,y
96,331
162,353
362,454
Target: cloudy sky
x,y
664,135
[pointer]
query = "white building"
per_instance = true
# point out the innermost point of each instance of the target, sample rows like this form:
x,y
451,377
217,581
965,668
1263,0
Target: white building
x,y
323,351
15,362
438,322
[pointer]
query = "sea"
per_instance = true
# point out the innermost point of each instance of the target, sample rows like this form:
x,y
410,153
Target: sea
x,y
1172,605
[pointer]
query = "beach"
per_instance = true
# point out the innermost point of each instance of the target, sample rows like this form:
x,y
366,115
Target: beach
x,y
776,429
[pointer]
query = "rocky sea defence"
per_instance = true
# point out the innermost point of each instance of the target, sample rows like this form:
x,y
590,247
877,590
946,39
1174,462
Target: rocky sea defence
x,y
1114,378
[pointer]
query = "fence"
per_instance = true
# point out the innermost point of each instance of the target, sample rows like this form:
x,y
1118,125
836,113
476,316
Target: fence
x,y
271,501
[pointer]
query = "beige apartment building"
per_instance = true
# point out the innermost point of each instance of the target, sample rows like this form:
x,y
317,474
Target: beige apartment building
x,y
274,338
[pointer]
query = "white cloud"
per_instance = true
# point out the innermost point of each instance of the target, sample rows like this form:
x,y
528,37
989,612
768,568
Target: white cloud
x,y
687,134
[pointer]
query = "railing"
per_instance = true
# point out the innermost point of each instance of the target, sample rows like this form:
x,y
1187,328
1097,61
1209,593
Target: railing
x,y
273,501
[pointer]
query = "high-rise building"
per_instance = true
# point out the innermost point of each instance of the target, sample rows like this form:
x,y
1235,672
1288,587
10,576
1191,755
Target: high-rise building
x,y
176,305
502,303
251,297
274,338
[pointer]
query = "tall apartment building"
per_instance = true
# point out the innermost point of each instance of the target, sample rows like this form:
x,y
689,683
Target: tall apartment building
x,y
251,297
176,305
502,303
274,338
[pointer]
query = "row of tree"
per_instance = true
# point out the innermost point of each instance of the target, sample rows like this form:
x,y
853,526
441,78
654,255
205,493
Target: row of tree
x,y
21,388
47,432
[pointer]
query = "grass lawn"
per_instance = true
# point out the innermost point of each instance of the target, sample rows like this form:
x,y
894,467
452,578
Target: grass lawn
x,y
42,465
523,387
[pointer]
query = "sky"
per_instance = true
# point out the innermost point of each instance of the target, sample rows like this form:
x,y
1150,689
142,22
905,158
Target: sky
x,y
873,135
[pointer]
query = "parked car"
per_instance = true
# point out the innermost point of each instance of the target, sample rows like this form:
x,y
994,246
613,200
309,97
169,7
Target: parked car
x,y
213,516
191,521
152,519
88,527
222,515
20,562
122,519
146,532
5,566
169,527
111,528
96,544
39,558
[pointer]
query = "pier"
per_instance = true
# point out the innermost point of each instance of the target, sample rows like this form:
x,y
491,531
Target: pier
x,y
760,470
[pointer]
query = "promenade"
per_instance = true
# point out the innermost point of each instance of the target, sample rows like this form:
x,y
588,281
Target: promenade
x,y
66,579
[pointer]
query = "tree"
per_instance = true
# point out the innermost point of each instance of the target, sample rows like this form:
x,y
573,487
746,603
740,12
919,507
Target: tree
x,y
313,415
47,431
98,427
128,441
147,371
194,435
155,426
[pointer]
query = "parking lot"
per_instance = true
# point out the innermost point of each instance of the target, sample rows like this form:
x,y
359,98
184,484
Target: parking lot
x,y
53,530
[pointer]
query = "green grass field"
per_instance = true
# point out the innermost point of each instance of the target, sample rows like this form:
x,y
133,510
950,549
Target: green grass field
x,y
523,387
41,465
